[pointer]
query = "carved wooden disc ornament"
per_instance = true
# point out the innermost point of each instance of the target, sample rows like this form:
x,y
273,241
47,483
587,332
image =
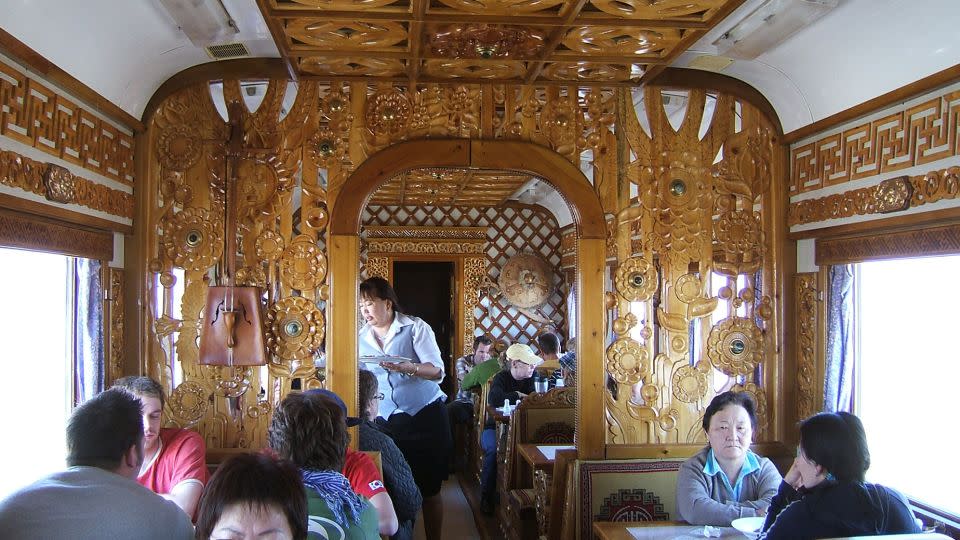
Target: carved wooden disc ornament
x,y
296,328
627,361
179,147
303,265
526,280
735,346
636,279
191,240
486,41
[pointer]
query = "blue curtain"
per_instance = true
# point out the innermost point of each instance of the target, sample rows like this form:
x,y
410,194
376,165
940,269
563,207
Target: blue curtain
x,y
838,389
88,340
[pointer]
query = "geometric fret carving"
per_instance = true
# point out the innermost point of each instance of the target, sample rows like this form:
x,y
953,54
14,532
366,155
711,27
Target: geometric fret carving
x,y
924,242
807,325
912,136
35,115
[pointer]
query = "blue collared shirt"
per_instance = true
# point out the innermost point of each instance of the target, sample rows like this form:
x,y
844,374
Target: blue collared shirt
x,y
412,338
750,464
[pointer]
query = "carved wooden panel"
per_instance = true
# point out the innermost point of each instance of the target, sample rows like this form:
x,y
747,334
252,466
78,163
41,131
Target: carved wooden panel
x,y
30,175
931,187
498,40
906,137
925,242
26,232
809,336
37,116
693,299
115,325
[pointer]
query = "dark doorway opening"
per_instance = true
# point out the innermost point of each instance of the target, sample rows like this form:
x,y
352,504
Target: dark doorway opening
x,y
425,290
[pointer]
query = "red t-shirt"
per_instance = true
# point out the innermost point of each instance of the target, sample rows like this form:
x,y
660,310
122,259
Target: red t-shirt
x,y
363,474
182,458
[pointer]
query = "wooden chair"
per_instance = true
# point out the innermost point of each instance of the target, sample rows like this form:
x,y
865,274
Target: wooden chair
x,y
539,418
479,420
558,507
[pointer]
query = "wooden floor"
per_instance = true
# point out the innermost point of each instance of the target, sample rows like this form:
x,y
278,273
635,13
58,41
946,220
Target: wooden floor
x,y
462,518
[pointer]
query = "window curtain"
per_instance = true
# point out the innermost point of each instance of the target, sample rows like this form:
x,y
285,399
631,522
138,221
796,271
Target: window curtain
x,y
88,337
838,389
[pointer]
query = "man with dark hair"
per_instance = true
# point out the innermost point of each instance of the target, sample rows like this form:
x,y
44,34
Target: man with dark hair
x,y
549,345
310,430
174,464
96,497
362,472
461,409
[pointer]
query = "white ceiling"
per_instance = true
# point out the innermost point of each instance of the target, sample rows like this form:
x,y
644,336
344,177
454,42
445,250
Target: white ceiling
x,y
125,49
858,51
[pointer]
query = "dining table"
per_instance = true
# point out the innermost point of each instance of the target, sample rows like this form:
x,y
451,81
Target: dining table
x,y
659,530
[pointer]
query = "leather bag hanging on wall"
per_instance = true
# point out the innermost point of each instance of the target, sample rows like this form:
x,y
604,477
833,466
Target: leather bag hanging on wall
x,y
232,329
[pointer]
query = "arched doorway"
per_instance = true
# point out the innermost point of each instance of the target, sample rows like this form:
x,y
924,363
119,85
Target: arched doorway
x,y
344,249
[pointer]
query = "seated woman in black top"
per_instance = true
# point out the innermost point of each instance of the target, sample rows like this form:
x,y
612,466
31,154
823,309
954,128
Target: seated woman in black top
x,y
824,494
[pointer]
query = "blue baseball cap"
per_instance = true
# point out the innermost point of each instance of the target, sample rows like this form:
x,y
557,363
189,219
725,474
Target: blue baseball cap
x,y
351,420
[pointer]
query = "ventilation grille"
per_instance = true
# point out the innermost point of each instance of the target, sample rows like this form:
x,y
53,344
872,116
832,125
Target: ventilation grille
x,y
227,50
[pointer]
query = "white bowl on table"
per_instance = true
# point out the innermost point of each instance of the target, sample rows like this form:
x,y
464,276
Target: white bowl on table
x,y
749,526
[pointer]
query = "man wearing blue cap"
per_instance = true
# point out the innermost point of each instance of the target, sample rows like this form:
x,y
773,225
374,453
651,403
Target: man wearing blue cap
x,y
363,474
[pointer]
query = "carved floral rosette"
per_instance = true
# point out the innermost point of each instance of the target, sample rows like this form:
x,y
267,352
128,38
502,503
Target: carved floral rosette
x,y
179,147
303,265
738,248
627,361
636,279
191,240
188,403
689,384
60,186
735,346
295,328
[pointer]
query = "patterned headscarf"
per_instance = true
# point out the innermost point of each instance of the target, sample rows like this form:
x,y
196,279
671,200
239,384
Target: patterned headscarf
x,y
334,489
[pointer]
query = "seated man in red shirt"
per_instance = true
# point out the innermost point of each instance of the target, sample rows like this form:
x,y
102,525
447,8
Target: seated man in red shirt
x,y
364,476
174,460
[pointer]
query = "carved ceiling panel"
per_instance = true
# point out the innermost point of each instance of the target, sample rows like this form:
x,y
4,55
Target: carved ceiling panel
x,y
554,41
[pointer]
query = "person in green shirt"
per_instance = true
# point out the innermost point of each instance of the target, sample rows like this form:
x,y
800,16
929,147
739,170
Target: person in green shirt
x,y
310,431
481,373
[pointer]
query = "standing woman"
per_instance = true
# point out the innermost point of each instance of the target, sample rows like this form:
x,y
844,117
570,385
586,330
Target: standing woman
x,y
824,494
412,410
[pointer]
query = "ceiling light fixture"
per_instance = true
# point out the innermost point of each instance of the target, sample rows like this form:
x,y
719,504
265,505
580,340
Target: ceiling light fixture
x,y
203,21
770,25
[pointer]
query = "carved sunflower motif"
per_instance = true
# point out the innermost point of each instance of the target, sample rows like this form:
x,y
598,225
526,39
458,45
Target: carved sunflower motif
x,y
636,279
735,346
188,403
326,148
689,384
269,246
627,361
738,232
191,240
303,265
179,147
295,328
388,112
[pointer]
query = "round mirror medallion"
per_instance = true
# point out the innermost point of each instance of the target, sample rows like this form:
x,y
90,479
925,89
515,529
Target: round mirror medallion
x,y
678,187
325,147
293,328
637,280
194,238
737,346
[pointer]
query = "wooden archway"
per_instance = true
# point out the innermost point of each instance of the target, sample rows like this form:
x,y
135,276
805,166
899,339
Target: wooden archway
x,y
344,250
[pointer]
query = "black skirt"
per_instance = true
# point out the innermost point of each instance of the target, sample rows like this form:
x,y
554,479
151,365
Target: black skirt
x,y
426,443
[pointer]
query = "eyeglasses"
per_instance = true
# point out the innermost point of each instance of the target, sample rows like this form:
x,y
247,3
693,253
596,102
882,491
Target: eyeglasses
x,y
379,396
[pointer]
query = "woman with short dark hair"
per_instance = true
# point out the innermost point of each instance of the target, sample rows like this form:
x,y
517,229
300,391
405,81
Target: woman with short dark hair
x,y
824,494
726,480
310,430
412,410
253,496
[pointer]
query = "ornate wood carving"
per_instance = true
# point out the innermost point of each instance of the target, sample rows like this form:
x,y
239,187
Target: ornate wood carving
x,y
476,234
474,272
907,136
449,247
387,38
37,116
808,336
115,361
24,232
888,196
924,242
59,185
378,266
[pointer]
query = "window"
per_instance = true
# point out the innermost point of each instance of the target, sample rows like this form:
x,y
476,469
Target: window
x,y
47,357
907,370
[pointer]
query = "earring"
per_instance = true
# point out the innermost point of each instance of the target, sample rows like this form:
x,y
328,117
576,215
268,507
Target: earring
x,y
830,477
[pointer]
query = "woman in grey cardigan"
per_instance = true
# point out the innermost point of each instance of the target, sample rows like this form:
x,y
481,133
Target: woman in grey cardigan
x,y
726,480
